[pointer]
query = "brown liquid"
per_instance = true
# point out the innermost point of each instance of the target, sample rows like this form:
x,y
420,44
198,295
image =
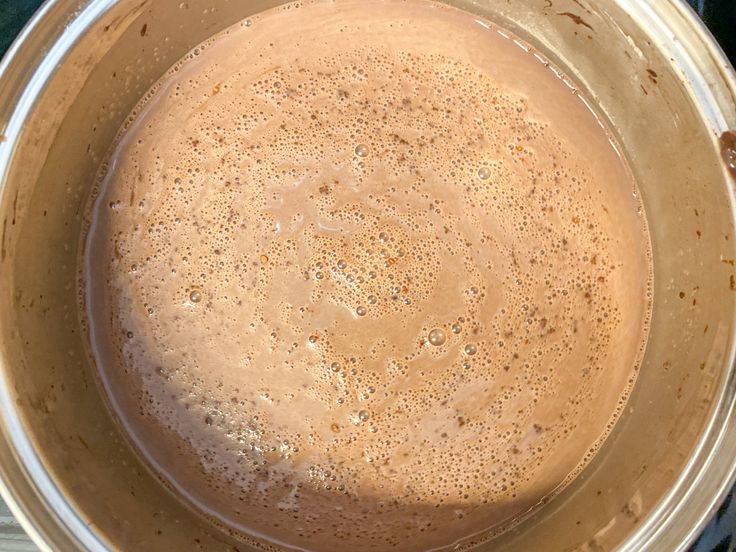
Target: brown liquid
x,y
366,276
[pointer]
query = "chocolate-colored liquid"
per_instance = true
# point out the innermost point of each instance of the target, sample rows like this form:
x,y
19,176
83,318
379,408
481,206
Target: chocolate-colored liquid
x,y
366,275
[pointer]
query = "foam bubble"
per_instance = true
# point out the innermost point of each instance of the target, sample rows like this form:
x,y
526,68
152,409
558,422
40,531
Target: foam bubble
x,y
437,337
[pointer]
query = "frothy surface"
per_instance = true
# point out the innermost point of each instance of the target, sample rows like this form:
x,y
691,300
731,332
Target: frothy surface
x,y
366,276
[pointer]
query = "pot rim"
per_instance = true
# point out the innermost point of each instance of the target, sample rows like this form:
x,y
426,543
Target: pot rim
x,y
53,522
710,473
32,496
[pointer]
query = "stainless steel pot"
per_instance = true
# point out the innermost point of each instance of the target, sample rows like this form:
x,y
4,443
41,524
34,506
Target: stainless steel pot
x,y
72,77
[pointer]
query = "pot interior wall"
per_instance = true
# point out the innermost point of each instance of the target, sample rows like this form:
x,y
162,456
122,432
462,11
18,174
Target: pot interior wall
x,y
671,150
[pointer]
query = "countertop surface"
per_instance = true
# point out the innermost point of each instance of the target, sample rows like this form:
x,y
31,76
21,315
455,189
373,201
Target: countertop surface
x,y
719,15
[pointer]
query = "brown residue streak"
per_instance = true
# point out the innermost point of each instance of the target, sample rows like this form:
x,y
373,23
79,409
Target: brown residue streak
x,y
2,243
15,207
728,151
576,18
579,3
144,29
652,75
644,89
732,282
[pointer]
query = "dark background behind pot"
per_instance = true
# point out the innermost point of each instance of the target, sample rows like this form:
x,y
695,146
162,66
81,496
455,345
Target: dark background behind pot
x,y
718,15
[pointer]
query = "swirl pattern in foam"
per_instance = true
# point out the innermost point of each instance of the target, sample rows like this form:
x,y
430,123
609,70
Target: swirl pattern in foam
x,y
383,283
